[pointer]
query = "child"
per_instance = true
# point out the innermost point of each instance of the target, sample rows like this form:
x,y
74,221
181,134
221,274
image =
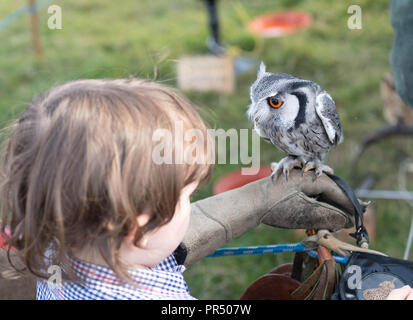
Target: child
x,y
93,195
82,192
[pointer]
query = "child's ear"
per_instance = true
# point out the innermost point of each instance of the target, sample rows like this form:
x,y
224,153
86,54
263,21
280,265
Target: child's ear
x,y
142,242
142,219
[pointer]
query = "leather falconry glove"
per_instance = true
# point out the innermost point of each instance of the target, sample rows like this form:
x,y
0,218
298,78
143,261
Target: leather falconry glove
x,y
296,203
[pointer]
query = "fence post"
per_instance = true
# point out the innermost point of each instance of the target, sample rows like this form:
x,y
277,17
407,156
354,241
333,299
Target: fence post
x,y
34,22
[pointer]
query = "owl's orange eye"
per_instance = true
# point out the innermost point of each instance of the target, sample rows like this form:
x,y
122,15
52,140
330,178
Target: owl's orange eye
x,y
274,102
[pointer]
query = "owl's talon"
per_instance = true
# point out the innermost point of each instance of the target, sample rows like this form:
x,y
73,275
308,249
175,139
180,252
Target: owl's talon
x,y
319,168
275,171
309,166
327,169
322,169
284,167
275,175
303,171
317,174
286,173
272,177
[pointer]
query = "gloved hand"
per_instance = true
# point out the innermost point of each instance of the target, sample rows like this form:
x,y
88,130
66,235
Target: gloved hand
x,y
299,203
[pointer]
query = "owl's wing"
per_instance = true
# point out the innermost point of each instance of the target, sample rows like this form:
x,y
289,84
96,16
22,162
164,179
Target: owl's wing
x,y
327,112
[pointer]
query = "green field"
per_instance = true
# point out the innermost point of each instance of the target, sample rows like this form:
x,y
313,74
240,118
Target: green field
x,y
107,39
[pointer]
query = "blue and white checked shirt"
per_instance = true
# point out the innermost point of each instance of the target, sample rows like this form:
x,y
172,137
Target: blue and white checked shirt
x,y
162,282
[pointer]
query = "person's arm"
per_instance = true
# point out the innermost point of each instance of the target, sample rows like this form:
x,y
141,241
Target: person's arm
x,y
401,62
299,203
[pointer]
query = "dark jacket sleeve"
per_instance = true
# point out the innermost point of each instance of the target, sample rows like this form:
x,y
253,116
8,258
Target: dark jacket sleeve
x,y
401,55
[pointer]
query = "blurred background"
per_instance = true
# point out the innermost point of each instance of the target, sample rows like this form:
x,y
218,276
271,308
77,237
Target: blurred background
x,y
146,38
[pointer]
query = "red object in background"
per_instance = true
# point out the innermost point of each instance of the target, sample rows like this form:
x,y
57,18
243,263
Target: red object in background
x,y
277,24
2,240
235,179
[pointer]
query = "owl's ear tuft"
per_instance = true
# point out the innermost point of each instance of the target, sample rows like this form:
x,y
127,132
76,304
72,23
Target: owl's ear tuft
x,y
261,70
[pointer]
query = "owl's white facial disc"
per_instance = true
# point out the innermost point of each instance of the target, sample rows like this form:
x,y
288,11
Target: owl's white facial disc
x,y
288,111
265,117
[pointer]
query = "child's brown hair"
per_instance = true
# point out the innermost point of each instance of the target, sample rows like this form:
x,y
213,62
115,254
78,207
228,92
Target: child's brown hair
x,y
77,168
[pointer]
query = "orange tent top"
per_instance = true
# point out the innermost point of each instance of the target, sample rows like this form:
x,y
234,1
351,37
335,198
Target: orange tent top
x,y
277,24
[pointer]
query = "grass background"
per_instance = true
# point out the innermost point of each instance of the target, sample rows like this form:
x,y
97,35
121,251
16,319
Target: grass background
x,y
105,39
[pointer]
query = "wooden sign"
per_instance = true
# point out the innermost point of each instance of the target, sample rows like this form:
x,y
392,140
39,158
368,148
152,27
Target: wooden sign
x,y
206,73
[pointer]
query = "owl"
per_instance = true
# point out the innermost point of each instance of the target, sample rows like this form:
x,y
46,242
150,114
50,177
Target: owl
x,y
298,116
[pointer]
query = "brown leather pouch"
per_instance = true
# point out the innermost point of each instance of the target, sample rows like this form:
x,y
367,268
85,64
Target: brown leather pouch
x,y
284,282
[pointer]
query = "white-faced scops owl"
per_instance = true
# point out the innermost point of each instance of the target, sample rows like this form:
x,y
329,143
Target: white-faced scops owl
x,y
298,116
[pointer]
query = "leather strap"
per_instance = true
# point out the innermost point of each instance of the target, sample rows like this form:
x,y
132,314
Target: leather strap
x,y
297,270
320,284
324,289
361,234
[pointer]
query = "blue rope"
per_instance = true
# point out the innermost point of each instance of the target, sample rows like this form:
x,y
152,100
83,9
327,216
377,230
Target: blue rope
x,y
272,248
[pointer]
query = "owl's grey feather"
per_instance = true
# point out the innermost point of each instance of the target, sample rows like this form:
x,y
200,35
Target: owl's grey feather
x,y
306,125
326,110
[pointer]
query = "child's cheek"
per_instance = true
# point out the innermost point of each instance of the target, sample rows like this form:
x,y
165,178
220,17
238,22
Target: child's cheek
x,y
184,215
